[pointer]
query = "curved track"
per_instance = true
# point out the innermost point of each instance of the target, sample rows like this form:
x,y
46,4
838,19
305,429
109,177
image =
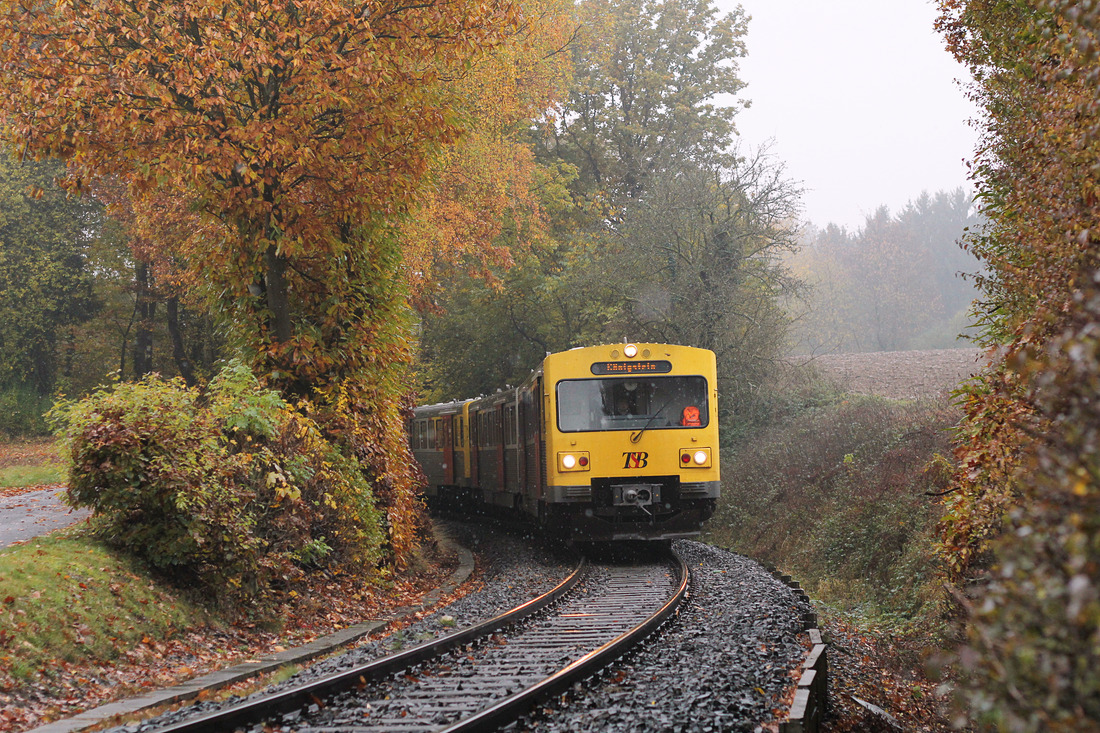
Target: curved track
x,y
486,676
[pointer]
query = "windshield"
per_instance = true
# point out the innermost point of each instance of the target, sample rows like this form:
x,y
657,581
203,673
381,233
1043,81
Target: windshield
x,y
636,403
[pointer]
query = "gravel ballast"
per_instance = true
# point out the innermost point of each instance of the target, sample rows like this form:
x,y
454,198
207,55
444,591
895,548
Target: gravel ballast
x,y
724,665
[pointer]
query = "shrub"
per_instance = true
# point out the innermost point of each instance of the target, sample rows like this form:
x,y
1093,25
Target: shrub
x,y
232,490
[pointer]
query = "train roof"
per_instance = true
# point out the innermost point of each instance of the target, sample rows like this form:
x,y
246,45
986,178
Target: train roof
x,y
440,408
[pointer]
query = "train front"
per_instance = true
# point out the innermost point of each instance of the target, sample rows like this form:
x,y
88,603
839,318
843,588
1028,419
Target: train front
x,y
631,441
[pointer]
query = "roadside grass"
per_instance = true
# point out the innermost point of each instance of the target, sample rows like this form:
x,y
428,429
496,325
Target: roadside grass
x,y
16,477
67,598
32,462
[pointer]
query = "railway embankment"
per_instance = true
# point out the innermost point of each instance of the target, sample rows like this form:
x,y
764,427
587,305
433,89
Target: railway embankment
x,y
731,660
839,488
82,627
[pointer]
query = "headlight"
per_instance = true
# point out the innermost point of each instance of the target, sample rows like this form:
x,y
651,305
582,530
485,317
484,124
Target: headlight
x,y
630,350
576,460
695,458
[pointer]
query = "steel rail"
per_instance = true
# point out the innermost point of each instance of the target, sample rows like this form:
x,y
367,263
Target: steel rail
x,y
262,708
513,707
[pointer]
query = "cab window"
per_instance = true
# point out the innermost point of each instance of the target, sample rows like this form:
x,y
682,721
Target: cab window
x,y
632,403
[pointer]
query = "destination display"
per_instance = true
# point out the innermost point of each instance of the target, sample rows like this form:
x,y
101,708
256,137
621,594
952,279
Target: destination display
x,y
632,367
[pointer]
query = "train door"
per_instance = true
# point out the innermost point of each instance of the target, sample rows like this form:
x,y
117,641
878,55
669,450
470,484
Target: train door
x,y
529,442
501,479
462,461
521,440
540,438
448,450
475,449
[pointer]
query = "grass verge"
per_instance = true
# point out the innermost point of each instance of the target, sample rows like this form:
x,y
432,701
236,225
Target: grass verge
x,y
20,476
33,462
81,626
66,598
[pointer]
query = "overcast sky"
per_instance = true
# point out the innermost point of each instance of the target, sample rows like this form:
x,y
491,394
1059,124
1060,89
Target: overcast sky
x,y
860,99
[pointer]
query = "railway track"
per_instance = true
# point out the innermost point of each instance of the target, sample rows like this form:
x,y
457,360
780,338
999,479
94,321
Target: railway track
x,y
482,677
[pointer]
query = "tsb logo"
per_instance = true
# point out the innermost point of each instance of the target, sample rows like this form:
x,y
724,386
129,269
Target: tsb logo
x,y
635,460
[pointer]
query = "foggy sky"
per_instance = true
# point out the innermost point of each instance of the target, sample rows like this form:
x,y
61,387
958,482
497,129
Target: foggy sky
x,y
860,100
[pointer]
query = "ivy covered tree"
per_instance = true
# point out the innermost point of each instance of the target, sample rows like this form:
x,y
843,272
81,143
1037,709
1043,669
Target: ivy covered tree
x,y
1025,518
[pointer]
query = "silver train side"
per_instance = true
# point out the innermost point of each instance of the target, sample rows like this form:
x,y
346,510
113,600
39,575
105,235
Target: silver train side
x,y
603,443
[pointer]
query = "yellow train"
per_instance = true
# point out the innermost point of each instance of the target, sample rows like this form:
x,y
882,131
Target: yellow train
x,y
616,442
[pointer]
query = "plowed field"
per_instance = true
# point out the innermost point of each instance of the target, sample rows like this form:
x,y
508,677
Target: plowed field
x,y
901,374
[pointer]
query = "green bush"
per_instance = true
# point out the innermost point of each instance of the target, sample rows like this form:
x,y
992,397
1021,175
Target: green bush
x,y
22,412
233,490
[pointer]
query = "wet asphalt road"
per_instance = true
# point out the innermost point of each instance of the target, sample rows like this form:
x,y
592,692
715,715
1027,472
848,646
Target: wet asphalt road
x,y
32,513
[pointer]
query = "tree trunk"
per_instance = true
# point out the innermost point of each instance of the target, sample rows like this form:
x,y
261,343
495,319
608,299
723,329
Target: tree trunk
x,y
179,354
278,299
146,311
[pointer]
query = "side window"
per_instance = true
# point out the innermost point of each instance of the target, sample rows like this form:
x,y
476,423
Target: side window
x,y
530,415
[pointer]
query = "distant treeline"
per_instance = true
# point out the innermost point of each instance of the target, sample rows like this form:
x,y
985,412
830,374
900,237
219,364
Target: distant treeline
x,y
899,282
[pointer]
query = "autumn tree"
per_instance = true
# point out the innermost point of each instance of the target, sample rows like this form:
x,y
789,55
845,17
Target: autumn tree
x,y
487,198
298,135
171,328
1025,518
